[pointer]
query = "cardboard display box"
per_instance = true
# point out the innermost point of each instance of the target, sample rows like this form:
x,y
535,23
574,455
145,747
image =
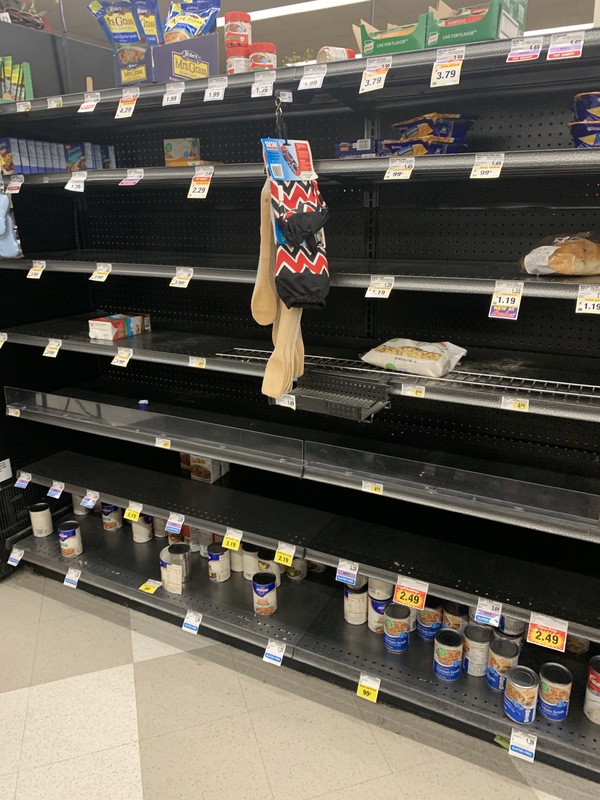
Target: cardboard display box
x,y
178,61
396,39
492,19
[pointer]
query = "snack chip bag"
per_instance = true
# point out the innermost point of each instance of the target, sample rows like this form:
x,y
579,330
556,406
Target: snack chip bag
x,y
121,27
186,20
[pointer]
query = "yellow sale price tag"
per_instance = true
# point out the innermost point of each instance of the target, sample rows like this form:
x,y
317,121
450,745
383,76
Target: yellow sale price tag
x,y
133,512
588,300
409,390
150,586
200,183
510,404
285,554
374,75
368,687
165,443
232,539
409,592
548,632
372,488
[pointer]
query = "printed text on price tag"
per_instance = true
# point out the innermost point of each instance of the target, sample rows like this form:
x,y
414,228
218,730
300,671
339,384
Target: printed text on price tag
x,y
488,612
197,362
55,490
200,183
90,499
150,586
286,401
192,622
368,687
371,487
515,404
54,102
37,267
312,77
285,554
566,45
263,84
175,522
410,390
11,411
527,49
133,511
506,300
133,176
216,89
183,275
588,300
173,93
90,101
232,539
164,443
346,572
16,554
410,592
72,577
127,103
399,169
101,273
381,286
14,184
274,652
374,74
76,182
123,357
447,67
547,632
487,165
522,745
23,480
52,348
24,105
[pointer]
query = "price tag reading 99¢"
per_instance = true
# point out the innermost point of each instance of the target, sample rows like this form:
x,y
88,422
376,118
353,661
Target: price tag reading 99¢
x,y
232,539
588,300
487,165
506,300
285,554
548,632
447,67
368,687
374,75
200,183
183,275
410,592
150,586
399,169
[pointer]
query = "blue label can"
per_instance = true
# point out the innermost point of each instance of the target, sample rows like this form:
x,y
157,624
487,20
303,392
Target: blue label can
x,y
264,593
396,627
503,655
448,654
556,683
429,619
521,695
69,536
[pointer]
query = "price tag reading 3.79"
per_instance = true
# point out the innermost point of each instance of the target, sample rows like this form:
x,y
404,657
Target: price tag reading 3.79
x,y
374,75
447,67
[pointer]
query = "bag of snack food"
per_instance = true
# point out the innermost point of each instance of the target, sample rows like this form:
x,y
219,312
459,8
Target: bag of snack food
x,y
430,359
121,27
186,20
565,254
148,15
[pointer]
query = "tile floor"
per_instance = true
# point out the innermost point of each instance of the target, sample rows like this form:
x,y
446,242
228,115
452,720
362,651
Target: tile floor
x,y
101,703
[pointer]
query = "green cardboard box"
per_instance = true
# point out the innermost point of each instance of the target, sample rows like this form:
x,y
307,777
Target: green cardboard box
x,y
491,19
395,39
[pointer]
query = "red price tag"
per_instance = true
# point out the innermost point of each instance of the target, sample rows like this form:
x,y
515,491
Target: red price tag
x,y
412,593
548,632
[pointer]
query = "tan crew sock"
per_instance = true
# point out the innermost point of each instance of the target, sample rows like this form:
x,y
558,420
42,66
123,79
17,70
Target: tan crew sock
x,y
279,373
264,297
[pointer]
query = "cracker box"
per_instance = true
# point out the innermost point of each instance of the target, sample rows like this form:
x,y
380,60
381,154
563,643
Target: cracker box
x,y
185,60
394,39
492,19
118,326
75,157
182,152
10,157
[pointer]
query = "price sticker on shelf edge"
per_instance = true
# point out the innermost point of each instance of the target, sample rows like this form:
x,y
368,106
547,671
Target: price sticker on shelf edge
x,y
547,632
285,553
55,490
381,286
286,401
164,443
565,45
286,97
263,83
3,338
37,267
76,182
101,273
52,348
133,511
368,687
127,103
123,357
23,480
90,101
313,76
150,586
54,102
410,390
183,275
200,183
15,183
522,745
410,592
527,49
488,612
232,539
515,404
24,105
175,522
216,89
16,554
487,165
346,572
274,652
173,93
399,169
197,362
72,577
588,300
11,411
134,176
371,487
90,499
447,67
192,622
374,74
506,300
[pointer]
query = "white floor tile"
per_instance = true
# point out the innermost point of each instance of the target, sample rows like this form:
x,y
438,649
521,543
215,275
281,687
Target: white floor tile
x,y
8,786
22,593
13,712
461,781
78,716
154,638
17,656
386,788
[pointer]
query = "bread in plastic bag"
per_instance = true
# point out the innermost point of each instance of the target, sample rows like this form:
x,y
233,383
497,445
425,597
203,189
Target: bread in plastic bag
x,y
565,254
430,359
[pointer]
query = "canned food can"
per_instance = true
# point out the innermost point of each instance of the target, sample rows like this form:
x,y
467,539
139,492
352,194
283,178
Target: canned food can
x,y
250,559
396,625
219,566
429,619
361,580
327,54
517,638
512,626
180,556
591,704
455,616
577,644
476,650
447,654
375,613
78,509
112,517
236,560
315,567
413,619
237,28
142,529
69,536
263,55
355,605
556,683
298,571
380,589
238,61
41,520
521,694
205,538
158,526
267,563
504,655
264,593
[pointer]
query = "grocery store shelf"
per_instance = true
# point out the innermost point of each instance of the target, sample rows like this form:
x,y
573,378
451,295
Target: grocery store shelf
x,y
460,277
309,619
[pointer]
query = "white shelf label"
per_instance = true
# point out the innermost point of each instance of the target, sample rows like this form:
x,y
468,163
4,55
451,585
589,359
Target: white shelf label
x,y
133,511
399,169
263,83
175,522
374,74
381,286
216,89
286,97
37,267
24,105
410,390
522,745
506,300
447,67
200,183
588,300
55,490
72,577
173,93
183,275
23,480
372,488
487,165
76,182
192,622
16,554
488,612
15,183
164,443
127,103
55,102
101,273
123,356
312,77
133,176
566,45
232,539
285,553
90,101
368,687
11,411
52,348
90,499
515,404
346,572
3,338
286,401
197,362
274,652
527,49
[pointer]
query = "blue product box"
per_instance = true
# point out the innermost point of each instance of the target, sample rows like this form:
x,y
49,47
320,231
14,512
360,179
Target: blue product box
x,y
10,157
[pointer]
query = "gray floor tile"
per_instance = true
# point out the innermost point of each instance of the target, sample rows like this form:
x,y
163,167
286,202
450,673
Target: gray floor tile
x,y
17,656
549,783
60,602
13,712
154,638
21,593
454,779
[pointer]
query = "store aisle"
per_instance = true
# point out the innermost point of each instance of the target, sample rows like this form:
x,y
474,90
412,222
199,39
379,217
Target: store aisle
x,y
99,702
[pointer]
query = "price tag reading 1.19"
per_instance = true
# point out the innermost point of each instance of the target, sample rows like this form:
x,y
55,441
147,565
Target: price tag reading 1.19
x,y
548,632
410,592
374,75
381,286
368,687
506,300
588,300
447,67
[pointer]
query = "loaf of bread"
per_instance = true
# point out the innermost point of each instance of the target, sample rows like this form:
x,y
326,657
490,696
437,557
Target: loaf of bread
x,y
565,254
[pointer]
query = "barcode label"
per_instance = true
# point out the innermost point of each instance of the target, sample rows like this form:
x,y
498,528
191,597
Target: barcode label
x,y
277,171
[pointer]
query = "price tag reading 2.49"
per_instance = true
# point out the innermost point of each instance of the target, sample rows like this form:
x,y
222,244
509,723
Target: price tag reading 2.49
x,y
506,300
548,632
447,67
410,592
374,75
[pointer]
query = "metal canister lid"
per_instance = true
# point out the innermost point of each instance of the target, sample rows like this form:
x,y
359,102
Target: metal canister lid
x,y
448,637
263,578
68,525
39,507
216,549
478,633
356,589
179,549
595,663
505,648
250,548
556,673
396,611
456,609
265,554
523,677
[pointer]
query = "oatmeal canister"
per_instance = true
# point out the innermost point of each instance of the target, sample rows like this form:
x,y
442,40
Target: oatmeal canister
x,y
521,694
142,529
69,536
396,624
264,593
591,704
41,520
375,613
429,619
250,560
219,566
556,683
447,654
504,655
476,650
355,605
